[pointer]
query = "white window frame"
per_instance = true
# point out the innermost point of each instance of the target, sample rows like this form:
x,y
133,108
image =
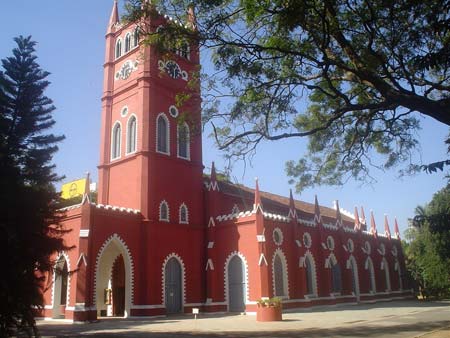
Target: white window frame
x,y
114,141
183,206
128,151
127,36
188,142
164,203
162,115
118,41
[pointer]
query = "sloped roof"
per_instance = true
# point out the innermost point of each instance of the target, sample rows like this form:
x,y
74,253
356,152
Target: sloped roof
x,y
273,201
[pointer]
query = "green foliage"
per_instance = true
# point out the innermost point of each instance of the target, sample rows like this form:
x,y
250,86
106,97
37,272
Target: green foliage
x,y
351,76
269,302
28,200
428,247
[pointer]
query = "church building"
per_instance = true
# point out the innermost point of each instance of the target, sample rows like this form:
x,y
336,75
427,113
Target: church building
x,y
165,238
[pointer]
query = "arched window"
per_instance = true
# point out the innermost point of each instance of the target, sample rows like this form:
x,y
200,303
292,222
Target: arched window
x,y
370,269
183,141
309,276
184,214
162,138
336,285
164,211
136,37
115,141
131,134
127,42
278,270
118,48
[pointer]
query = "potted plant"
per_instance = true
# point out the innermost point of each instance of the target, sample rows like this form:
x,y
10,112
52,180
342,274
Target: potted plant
x,y
269,310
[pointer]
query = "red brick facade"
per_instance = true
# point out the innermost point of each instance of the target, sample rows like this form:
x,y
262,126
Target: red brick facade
x,y
164,238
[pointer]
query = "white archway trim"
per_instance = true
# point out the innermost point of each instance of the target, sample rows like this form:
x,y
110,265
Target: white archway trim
x,y
308,255
127,146
129,269
387,277
278,252
371,270
180,220
183,279
163,116
330,261
226,282
352,261
66,257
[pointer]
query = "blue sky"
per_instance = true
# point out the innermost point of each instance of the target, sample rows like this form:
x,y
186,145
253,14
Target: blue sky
x,y
70,36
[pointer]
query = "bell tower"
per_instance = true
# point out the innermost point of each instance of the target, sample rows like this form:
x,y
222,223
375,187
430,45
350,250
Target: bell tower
x,y
150,152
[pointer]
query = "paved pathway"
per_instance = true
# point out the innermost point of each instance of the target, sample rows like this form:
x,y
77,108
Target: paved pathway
x,y
397,319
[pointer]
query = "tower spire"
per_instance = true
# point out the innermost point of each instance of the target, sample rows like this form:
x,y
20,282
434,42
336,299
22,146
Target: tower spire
x,y
387,231
373,226
258,204
114,18
292,210
338,215
317,216
357,222
396,231
213,185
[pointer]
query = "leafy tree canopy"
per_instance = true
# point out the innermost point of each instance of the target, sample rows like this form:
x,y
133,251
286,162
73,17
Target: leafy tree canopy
x,y
352,76
28,201
428,250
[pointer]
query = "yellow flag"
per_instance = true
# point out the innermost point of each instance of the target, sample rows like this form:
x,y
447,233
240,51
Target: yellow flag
x,y
73,189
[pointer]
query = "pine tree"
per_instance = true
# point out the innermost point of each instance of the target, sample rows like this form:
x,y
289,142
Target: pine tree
x,y
29,230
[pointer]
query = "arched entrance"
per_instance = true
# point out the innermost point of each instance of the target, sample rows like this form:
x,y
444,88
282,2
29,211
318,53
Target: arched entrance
x,y
60,287
113,279
387,279
118,287
236,285
173,286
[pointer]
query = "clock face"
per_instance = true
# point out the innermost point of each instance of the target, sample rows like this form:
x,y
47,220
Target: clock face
x,y
126,70
173,69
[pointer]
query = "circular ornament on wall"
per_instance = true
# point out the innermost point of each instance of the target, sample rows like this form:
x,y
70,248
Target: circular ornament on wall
x,y
124,111
330,243
173,111
350,245
277,236
307,241
367,247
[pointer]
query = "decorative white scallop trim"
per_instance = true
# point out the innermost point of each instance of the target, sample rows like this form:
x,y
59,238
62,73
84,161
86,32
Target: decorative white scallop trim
x,y
183,205
280,235
124,111
307,238
371,271
330,261
135,135
188,142
162,115
117,123
278,252
116,208
227,262
163,202
308,255
66,257
129,267
183,279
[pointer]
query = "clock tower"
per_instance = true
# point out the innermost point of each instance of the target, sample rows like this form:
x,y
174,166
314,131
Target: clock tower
x,y
151,156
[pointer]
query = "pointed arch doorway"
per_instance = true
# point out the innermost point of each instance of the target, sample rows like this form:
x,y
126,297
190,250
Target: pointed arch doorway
x,y
60,287
113,279
173,286
236,285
